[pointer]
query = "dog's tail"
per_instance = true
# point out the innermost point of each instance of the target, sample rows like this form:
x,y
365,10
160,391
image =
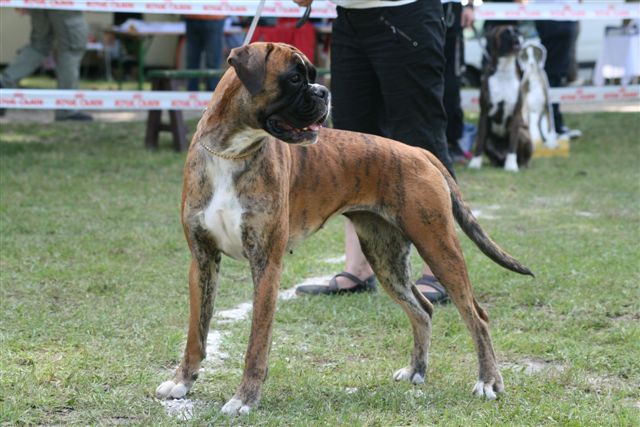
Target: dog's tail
x,y
472,229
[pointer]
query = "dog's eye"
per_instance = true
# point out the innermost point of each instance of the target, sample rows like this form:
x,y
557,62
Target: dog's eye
x,y
296,78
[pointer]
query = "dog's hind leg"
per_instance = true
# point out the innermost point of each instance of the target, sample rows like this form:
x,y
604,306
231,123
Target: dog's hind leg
x,y
203,279
443,254
387,250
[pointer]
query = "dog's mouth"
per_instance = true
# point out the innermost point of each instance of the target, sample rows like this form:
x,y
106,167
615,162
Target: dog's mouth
x,y
510,51
294,133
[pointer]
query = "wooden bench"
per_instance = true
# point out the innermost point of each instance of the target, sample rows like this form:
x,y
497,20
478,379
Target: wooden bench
x,y
166,80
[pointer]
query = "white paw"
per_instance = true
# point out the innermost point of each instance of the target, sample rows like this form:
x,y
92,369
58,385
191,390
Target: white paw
x,y
486,389
511,163
171,390
235,407
475,163
408,374
551,142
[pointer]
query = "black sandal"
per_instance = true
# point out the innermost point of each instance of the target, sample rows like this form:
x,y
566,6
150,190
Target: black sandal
x,y
367,285
440,295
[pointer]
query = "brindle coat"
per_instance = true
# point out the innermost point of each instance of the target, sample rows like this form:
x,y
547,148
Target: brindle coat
x,y
396,195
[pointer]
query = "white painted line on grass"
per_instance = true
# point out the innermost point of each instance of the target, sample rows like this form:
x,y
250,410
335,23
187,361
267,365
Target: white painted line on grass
x,y
336,260
239,312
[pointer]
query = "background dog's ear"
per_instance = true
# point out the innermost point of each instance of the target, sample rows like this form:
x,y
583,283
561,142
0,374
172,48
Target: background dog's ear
x,y
251,67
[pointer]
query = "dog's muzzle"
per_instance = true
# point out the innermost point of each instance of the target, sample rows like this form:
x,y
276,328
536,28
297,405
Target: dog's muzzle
x,y
300,117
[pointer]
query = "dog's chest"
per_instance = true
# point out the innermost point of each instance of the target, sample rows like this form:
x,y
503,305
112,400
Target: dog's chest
x,y
223,214
536,92
504,90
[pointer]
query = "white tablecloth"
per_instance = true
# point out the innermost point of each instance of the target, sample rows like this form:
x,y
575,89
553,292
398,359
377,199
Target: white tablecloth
x,y
619,59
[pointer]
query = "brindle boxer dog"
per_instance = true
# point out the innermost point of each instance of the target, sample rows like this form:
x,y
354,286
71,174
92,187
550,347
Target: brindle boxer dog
x,y
503,133
262,174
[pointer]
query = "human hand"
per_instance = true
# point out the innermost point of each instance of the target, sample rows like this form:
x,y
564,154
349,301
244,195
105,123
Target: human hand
x,y
303,3
467,18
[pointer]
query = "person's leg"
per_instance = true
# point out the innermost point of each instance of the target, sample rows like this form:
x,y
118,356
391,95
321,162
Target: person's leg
x,y
411,71
408,58
452,73
70,33
213,45
31,56
356,105
556,37
194,50
366,50
572,72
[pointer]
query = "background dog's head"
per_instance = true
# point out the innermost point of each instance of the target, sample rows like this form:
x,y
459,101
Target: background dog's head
x,y
504,40
532,56
281,84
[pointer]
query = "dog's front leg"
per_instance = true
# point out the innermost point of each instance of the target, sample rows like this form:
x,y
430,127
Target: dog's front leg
x,y
517,133
483,129
203,279
266,276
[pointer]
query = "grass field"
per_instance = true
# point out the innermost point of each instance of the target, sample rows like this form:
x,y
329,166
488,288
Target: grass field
x,y
93,296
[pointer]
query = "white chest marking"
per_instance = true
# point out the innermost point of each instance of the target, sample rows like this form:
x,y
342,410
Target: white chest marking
x,y
504,86
223,215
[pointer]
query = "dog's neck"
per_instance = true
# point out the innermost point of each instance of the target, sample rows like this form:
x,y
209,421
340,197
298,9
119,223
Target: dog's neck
x,y
229,139
506,65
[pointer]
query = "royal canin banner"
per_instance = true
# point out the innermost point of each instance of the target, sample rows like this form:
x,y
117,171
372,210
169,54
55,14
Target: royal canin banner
x,y
470,98
157,100
326,9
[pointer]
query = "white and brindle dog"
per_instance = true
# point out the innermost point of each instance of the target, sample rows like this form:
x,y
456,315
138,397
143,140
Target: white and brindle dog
x,y
536,110
503,134
262,174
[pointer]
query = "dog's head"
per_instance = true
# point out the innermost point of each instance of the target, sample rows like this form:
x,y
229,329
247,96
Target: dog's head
x,y
532,56
504,40
280,82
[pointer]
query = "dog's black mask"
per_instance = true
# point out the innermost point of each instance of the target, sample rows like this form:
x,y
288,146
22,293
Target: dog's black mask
x,y
505,41
301,109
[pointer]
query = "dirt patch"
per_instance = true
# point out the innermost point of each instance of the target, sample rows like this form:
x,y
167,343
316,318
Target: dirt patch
x,y
181,409
605,385
629,317
534,366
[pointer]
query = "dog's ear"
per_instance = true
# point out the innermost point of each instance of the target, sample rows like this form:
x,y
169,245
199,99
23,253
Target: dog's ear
x,y
494,39
250,63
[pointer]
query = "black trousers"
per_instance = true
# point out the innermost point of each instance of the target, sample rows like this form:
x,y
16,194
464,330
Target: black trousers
x,y
454,56
387,74
557,37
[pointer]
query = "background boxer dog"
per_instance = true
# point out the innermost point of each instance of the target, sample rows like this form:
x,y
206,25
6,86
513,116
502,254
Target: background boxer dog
x,y
255,185
502,132
537,107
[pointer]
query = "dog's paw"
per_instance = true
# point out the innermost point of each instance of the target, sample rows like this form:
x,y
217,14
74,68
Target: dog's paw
x,y
488,389
172,390
409,374
475,162
235,407
551,142
511,163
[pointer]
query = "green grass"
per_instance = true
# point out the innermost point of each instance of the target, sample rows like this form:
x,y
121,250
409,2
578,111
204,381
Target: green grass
x,y
93,295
